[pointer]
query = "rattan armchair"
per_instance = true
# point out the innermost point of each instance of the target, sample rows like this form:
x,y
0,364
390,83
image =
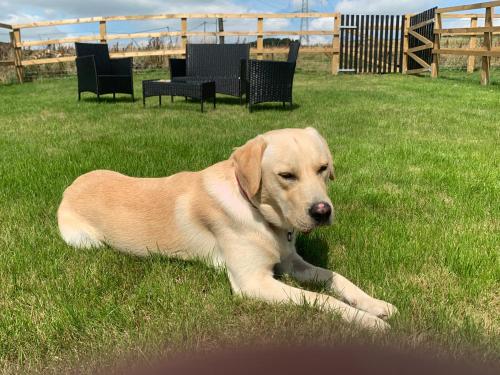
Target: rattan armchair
x,y
100,74
222,63
271,81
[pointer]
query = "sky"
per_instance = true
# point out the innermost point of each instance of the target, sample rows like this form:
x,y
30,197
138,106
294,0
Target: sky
x,y
24,11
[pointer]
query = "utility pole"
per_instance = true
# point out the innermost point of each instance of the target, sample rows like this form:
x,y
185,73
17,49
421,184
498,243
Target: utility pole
x,y
221,30
304,22
204,30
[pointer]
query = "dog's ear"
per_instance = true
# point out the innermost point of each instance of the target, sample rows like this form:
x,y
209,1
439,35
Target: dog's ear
x,y
247,160
331,171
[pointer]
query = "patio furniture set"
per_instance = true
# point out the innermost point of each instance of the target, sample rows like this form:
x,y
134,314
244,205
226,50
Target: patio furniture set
x,y
207,70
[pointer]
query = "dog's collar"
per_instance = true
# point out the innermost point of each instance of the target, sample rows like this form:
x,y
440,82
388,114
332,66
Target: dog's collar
x,y
244,193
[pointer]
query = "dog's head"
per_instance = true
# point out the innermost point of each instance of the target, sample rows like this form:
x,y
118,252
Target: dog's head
x,y
285,173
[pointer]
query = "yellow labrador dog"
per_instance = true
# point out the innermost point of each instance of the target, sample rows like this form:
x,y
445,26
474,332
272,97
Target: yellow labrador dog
x,y
242,213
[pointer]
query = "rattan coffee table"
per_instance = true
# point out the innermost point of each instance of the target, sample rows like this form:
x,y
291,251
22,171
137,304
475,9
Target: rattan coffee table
x,y
202,90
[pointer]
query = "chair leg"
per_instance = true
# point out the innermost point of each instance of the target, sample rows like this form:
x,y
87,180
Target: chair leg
x,y
171,98
98,97
201,105
133,98
214,101
114,96
143,100
79,96
159,100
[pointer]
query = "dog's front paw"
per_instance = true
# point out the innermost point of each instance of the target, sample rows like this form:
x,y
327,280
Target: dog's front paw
x,y
371,322
379,308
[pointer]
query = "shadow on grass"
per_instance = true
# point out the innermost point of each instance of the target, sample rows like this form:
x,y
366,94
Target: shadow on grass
x,y
274,107
230,100
106,100
313,249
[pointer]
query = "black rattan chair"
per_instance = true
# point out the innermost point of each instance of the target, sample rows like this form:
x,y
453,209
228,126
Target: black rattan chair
x,y
271,81
99,74
222,63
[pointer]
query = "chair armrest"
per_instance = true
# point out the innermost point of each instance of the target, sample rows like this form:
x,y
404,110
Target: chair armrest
x,y
85,69
86,73
177,67
85,66
280,72
122,66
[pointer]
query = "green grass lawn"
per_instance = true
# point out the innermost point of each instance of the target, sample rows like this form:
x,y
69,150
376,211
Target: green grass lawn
x,y
416,196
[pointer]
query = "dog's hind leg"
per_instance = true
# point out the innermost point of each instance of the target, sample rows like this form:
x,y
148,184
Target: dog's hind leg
x,y
75,231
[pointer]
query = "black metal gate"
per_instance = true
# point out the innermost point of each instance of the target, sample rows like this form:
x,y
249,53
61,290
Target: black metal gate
x,y
371,43
421,41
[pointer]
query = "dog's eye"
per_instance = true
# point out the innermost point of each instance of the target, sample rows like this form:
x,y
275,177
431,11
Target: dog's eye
x,y
287,176
322,168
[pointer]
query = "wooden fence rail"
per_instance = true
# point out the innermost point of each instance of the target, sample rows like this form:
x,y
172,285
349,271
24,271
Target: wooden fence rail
x,y
487,31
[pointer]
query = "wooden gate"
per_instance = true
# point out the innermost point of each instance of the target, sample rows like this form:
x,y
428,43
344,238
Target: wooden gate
x,y
420,41
371,43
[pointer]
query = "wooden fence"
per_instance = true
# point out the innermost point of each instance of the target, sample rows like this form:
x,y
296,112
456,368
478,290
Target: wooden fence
x,y
360,43
487,31
18,43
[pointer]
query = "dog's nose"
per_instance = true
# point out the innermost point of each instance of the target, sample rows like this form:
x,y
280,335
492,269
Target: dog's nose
x,y
320,212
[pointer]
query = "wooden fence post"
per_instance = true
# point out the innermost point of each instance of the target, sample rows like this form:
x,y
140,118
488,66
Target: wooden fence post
x,y
336,45
471,61
260,37
220,22
405,43
15,39
485,66
102,31
183,32
437,46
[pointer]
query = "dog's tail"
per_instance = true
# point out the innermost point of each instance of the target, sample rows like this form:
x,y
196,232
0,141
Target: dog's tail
x,y
74,230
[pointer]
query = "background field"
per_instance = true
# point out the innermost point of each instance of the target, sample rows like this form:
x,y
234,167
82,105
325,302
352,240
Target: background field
x,y
416,195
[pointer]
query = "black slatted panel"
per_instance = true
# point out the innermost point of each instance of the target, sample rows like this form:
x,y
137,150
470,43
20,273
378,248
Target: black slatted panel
x,y
366,45
386,44
360,22
397,35
372,37
381,45
342,54
346,44
355,34
351,43
375,44
391,38
401,45
371,43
